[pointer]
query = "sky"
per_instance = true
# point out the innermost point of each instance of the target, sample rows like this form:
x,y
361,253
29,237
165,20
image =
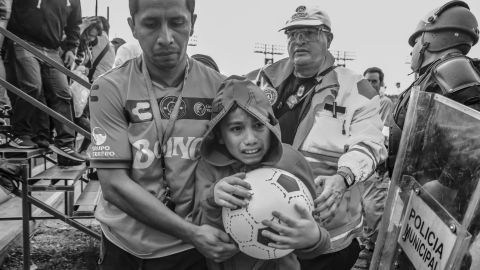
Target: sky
x,y
374,32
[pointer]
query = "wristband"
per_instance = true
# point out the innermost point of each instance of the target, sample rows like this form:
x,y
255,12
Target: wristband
x,y
349,181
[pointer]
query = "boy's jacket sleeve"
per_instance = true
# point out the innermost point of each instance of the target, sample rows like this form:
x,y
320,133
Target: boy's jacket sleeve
x,y
319,248
205,209
299,166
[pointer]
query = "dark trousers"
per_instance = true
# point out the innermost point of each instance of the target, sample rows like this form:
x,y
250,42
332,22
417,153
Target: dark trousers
x,y
115,258
84,122
340,260
47,85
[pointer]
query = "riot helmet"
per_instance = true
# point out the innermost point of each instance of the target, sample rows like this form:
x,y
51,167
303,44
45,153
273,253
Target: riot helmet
x,y
451,25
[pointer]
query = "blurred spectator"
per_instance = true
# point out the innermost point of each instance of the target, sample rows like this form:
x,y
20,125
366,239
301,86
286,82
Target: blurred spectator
x,y
95,52
206,60
375,76
43,25
99,55
5,10
105,24
117,42
126,52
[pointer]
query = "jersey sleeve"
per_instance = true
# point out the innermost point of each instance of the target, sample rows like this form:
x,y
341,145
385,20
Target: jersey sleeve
x,y
110,146
206,211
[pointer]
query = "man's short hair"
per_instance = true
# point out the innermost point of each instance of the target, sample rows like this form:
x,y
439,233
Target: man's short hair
x,y
133,5
374,70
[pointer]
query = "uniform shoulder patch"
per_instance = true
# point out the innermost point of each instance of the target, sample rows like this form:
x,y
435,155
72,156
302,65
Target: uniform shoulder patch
x,y
272,94
365,89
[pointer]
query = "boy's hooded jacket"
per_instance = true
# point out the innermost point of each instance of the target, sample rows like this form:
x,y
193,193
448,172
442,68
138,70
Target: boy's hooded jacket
x,y
217,163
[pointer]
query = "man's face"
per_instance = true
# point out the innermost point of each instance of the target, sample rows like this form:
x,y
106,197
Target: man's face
x,y
374,79
163,28
245,137
307,45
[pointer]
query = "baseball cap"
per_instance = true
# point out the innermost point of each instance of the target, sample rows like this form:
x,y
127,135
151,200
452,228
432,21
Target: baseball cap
x,y
308,16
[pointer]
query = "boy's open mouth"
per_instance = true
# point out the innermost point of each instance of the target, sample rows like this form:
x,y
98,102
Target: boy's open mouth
x,y
251,151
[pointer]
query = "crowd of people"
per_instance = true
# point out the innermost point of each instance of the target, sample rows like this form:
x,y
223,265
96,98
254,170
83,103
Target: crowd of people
x,y
173,137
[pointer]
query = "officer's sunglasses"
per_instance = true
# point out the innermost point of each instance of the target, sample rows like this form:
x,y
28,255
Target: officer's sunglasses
x,y
305,34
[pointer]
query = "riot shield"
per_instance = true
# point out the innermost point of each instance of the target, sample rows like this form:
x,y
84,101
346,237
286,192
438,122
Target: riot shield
x,y
432,214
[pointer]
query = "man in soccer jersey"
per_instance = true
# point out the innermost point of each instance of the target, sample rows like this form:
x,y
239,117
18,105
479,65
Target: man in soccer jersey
x,y
148,117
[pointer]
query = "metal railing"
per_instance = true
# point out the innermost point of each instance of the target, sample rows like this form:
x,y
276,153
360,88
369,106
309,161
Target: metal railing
x,y
27,199
34,102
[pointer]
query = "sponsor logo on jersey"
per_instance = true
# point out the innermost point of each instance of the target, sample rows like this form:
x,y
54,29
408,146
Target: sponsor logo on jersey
x,y
146,152
139,111
99,136
99,150
192,108
168,103
200,108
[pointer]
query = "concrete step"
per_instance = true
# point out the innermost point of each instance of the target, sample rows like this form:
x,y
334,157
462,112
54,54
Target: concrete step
x,y
87,201
11,231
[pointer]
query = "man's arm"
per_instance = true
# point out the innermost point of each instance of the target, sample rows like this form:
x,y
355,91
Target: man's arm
x,y
121,191
366,151
366,142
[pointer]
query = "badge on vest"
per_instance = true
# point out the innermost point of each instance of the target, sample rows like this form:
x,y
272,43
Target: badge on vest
x,y
295,98
334,108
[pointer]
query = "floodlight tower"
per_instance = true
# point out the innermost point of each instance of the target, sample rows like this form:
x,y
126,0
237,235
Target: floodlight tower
x,y
269,50
193,41
341,57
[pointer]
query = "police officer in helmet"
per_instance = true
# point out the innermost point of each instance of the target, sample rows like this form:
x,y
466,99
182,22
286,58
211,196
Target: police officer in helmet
x,y
440,44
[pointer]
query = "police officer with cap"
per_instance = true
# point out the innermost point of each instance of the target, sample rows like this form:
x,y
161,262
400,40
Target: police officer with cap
x,y
440,44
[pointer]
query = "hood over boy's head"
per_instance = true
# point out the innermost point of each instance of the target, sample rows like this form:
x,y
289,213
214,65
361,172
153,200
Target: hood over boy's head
x,y
238,92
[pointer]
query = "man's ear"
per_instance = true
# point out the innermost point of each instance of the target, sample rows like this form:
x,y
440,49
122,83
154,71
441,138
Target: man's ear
x,y
131,23
329,39
194,19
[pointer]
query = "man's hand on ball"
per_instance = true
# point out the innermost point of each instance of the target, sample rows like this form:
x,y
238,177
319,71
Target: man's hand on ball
x,y
213,243
328,201
232,191
293,233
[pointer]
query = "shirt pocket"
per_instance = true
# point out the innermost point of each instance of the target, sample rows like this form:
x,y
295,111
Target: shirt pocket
x,y
328,134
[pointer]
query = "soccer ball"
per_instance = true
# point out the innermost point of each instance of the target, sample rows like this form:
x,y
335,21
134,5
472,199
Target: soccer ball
x,y
273,189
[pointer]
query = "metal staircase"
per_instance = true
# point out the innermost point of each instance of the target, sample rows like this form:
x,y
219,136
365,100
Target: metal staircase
x,y
80,194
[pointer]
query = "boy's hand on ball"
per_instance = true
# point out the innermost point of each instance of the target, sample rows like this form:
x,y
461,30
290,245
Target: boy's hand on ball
x,y
332,194
232,191
292,233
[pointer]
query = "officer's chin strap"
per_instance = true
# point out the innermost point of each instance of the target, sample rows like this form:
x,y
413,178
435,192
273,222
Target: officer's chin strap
x,y
421,57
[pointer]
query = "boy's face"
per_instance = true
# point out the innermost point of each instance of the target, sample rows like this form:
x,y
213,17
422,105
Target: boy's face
x,y
246,138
